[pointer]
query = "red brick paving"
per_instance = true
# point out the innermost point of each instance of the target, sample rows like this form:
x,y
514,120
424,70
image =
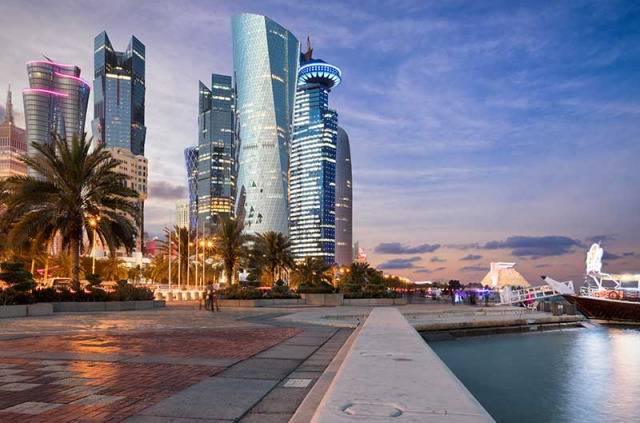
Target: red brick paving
x,y
141,384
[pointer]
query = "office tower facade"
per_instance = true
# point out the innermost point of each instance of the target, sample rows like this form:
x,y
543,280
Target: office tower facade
x,y
265,59
55,102
135,167
313,162
119,95
191,162
13,144
216,152
344,201
182,214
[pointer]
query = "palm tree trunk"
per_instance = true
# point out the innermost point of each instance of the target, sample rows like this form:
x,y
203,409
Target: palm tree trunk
x,y
75,257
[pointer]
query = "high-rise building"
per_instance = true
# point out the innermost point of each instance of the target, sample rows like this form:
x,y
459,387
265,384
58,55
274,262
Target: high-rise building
x,y
312,180
344,201
191,162
216,152
13,144
182,214
119,95
55,102
135,167
265,59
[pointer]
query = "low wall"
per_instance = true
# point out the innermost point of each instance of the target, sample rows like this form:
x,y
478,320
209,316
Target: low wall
x,y
391,374
331,300
263,302
89,307
42,309
374,301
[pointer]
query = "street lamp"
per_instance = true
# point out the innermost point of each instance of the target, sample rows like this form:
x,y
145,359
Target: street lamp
x,y
94,224
189,245
202,244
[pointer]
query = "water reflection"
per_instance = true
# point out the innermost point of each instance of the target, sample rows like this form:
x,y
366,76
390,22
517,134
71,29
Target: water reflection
x,y
567,376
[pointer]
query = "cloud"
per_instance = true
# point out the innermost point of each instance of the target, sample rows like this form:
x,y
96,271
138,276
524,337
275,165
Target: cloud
x,y
437,259
471,257
437,269
400,263
473,269
601,238
541,266
425,270
535,246
398,248
167,191
628,254
609,256
464,247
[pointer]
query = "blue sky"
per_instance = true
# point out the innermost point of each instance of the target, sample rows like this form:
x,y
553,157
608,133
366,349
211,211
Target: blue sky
x,y
494,130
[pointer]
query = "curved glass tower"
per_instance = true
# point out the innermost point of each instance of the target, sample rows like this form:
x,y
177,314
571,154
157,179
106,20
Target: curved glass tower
x,y
344,201
191,161
265,60
313,162
56,101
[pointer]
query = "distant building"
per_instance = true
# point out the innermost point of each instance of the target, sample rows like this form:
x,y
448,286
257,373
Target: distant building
x,y
504,274
265,60
344,201
216,179
312,172
55,102
135,168
182,214
119,95
13,144
191,162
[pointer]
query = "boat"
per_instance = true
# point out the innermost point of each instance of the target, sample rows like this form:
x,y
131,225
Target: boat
x,y
613,299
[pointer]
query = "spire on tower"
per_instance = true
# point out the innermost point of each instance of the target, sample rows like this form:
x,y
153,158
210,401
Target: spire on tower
x,y
309,52
8,111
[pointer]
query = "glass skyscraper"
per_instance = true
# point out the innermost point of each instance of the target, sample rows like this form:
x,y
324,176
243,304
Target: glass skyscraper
x,y
119,94
191,162
265,59
216,152
344,201
55,102
313,162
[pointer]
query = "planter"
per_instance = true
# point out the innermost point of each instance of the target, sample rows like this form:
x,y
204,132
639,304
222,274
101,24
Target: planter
x,y
265,302
331,300
159,304
41,309
374,301
13,311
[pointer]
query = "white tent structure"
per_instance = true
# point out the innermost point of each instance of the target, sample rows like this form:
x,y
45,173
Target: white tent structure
x,y
503,274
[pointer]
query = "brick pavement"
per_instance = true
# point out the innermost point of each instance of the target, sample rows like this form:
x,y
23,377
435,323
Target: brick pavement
x,y
44,390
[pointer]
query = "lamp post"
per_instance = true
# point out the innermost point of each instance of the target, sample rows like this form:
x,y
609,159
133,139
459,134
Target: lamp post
x,y
94,224
189,245
202,244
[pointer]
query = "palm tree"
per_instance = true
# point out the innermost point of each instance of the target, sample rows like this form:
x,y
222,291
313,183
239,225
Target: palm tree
x,y
312,271
273,250
229,244
74,185
112,269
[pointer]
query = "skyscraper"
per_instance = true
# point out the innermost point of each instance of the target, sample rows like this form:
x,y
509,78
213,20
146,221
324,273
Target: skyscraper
x,y
13,144
313,162
216,152
344,201
55,102
265,59
119,94
191,162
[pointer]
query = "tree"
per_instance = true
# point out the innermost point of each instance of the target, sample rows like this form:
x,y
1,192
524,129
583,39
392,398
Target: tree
x,y
312,271
229,244
273,250
19,280
73,186
112,268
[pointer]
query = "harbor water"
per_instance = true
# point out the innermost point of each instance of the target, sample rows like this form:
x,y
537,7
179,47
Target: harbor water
x,y
578,375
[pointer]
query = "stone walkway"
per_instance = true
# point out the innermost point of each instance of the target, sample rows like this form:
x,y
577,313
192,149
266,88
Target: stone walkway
x,y
174,365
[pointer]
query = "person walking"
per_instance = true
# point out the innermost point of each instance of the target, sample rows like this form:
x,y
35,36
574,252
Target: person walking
x,y
215,297
208,295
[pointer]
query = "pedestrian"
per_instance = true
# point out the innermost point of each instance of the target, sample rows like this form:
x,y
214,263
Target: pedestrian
x,y
208,294
215,297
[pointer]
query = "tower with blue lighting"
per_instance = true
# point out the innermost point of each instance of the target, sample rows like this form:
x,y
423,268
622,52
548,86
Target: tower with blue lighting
x,y
312,171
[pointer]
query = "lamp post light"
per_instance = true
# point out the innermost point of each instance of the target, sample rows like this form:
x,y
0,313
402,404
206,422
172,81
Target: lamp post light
x,y
94,224
202,244
189,245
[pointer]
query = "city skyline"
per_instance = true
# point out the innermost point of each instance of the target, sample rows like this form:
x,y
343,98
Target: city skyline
x,y
488,147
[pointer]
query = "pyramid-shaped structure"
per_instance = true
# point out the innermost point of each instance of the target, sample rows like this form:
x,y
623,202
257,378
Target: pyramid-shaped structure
x,y
503,274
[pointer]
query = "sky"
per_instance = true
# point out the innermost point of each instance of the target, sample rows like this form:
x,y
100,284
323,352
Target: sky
x,y
480,131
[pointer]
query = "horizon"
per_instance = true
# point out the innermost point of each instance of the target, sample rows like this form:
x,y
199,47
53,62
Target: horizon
x,y
495,132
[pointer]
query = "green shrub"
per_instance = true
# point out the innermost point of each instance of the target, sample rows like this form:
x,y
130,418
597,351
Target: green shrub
x,y
323,288
238,292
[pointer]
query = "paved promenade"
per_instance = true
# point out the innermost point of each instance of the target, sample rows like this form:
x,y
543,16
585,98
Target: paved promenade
x,y
178,364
